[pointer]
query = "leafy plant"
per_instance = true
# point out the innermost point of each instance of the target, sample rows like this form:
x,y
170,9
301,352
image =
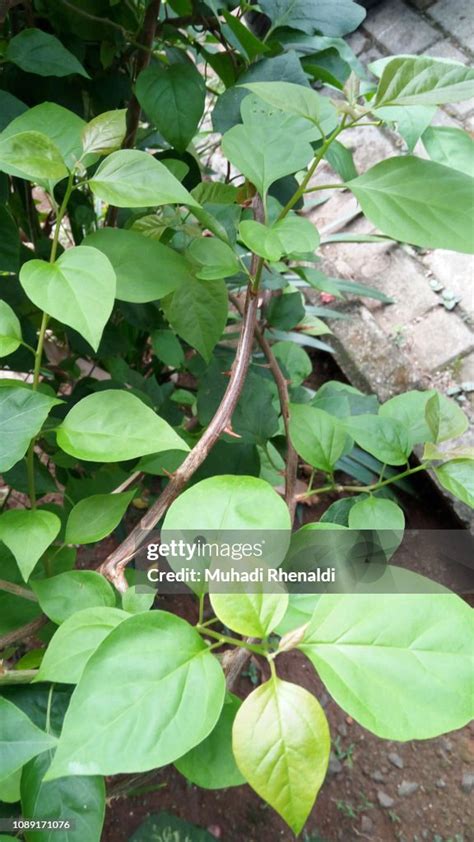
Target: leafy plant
x,y
154,164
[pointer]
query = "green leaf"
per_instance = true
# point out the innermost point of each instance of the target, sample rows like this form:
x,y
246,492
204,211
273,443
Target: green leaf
x,y
445,418
411,120
10,794
39,52
341,159
289,235
113,425
400,664
10,330
385,438
96,517
237,33
167,348
228,503
32,155
451,147
80,800
252,614
133,179
75,641
458,478
137,599
10,107
61,126
376,513
266,151
163,827
169,702
62,595
105,133
409,409
281,744
145,269
197,311
214,258
418,202
27,533
327,18
173,98
19,738
294,361
22,414
298,100
319,438
211,764
78,289
421,80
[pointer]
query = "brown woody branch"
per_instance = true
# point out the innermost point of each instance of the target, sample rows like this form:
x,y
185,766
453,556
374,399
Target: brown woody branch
x,y
282,386
23,632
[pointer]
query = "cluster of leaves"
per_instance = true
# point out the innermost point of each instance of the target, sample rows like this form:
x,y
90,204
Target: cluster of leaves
x,y
119,247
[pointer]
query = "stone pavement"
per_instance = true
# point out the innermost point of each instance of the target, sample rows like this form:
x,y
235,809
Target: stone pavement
x,y
425,338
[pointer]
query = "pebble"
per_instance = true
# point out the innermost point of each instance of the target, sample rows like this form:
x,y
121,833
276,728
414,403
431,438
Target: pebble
x,y
441,783
335,765
467,783
377,776
384,799
407,788
366,824
342,728
447,744
396,760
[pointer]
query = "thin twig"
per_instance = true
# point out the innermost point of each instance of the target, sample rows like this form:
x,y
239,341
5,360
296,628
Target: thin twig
x,y
23,632
17,590
282,386
146,38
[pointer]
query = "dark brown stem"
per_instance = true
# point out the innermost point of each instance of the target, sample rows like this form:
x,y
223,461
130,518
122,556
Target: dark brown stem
x,y
282,386
146,39
114,565
23,632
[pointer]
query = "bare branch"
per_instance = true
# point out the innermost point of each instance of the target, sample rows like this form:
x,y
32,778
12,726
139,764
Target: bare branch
x,y
282,386
23,632
17,590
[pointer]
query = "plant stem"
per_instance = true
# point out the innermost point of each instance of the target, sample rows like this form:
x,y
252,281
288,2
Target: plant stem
x,y
365,489
17,590
325,187
232,641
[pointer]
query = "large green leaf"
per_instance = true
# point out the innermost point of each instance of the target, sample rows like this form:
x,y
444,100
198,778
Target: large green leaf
x,y
22,414
197,311
60,125
39,52
376,513
252,614
418,202
173,98
213,258
27,533
281,744
326,16
410,120
409,409
113,425
62,595
422,80
145,269
450,146
133,179
10,330
228,502
400,664
20,740
96,517
80,800
267,149
31,155
211,764
78,289
75,641
150,693
457,477
385,438
445,418
296,99
287,236
105,133
319,438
